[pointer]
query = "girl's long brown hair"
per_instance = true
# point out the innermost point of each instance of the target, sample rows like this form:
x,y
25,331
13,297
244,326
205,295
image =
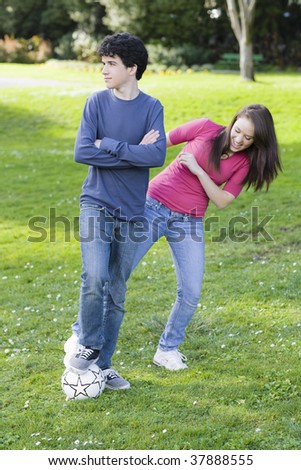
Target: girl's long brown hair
x,y
263,154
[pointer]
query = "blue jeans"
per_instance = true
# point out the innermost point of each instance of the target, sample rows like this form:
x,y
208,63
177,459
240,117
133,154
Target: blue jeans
x,y
186,240
108,247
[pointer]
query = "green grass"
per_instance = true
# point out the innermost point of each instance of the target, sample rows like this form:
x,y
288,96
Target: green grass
x,y
242,388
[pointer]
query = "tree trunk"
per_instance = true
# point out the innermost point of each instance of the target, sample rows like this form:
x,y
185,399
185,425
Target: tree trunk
x,y
246,60
241,14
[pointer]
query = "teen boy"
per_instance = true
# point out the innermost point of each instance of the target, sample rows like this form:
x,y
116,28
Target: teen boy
x,y
121,136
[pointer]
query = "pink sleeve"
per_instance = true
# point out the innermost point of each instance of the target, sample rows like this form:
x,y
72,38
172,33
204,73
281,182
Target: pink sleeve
x,y
234,184
187,131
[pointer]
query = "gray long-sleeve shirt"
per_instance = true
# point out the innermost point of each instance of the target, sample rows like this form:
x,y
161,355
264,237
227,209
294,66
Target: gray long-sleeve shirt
x,y
119,169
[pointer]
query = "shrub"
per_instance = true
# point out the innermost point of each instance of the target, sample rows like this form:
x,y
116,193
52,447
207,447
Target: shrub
x,y
64,50
78,46
178,57
28,51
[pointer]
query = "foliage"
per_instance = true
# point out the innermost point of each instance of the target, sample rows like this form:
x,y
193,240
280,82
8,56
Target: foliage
x,y
205,25
176,57
169,23
51,19
85,47
277,33
33,50
242,388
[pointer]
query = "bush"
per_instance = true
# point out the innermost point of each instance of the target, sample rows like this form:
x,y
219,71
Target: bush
x,y
64,50
27,51
178,57
85,46
79,46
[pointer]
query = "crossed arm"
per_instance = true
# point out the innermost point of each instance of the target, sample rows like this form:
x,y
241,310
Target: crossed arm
x,y
150,138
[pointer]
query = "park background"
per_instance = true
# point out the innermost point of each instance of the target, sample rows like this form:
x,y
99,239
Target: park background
x,y
242,388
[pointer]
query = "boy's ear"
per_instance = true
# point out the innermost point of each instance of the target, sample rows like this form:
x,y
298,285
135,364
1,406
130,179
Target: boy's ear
x,y
133,70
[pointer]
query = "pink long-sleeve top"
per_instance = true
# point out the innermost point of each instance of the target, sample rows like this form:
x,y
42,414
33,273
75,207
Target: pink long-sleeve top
x,y
179,189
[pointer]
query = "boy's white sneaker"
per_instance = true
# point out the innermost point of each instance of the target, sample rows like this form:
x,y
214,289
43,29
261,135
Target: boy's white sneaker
x,y
72,344
71,347
171,360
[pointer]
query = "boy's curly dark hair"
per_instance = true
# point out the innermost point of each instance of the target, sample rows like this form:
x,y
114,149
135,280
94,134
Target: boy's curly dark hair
x,y
129,48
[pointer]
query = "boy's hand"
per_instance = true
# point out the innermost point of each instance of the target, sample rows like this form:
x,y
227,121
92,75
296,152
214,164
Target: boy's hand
x,y
150,138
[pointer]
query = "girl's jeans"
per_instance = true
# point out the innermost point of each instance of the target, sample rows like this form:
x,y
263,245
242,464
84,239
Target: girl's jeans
x,y
186,240
108,246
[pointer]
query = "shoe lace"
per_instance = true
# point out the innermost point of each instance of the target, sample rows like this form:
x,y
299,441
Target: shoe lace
x,y
184,358
112,375
86,353
177,356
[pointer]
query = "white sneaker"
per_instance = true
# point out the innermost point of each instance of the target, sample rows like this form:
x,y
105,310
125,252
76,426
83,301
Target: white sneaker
x,y
71,347
171,360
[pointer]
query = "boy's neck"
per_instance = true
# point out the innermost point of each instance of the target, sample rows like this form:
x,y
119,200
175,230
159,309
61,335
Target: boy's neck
x,y
127,93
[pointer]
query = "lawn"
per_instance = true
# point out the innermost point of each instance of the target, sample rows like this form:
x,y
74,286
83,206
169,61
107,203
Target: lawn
x,y
242,387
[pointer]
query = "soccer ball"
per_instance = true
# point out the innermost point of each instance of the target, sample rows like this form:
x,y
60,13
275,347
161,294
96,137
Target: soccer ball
x,y
80,386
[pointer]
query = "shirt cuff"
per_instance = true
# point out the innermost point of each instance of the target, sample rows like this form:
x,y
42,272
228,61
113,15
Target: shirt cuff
x,y
109,146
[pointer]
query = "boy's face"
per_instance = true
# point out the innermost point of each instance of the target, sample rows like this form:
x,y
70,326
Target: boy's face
x,y
115,73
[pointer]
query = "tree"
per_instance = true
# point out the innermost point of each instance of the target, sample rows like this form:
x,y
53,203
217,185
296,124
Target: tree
x,y
241,14
168,22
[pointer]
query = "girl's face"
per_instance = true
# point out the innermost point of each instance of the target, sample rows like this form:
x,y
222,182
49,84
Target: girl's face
x,y
242,134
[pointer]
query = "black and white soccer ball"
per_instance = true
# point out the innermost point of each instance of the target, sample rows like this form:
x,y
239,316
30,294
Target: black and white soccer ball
x,y
90,384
